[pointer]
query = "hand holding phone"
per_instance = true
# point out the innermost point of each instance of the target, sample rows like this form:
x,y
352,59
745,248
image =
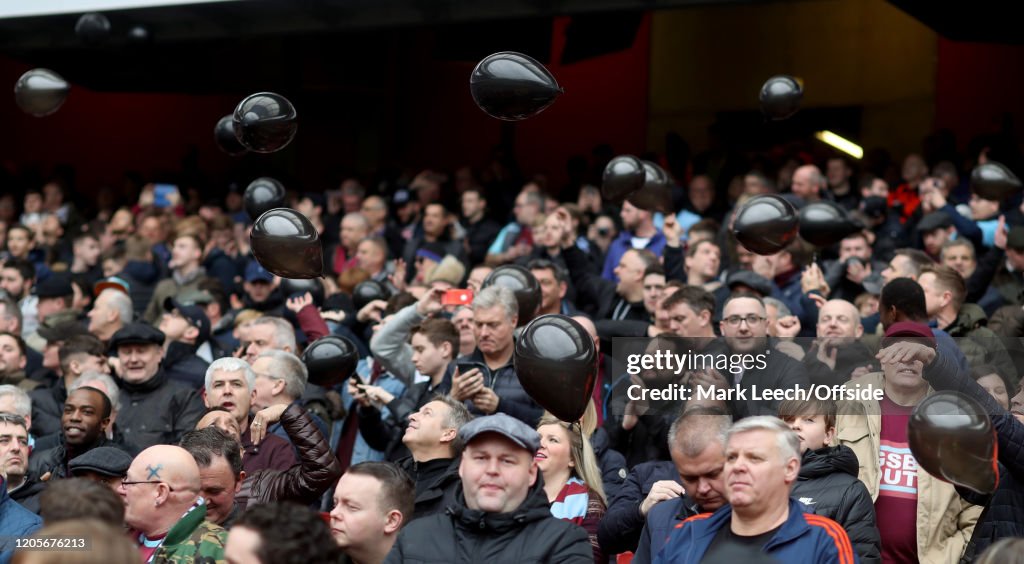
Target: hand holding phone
x,y
165,195
457,297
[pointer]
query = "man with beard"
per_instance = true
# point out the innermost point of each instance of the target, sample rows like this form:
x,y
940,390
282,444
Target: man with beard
x,y
155,408
17,276
86,416
13,362
744,326
230,385
638,232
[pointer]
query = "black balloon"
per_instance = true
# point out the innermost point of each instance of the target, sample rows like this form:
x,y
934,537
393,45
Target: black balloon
x,y
40,92
766,224
291,287
285,242
780,97
993,181
623,176
522,283
262,195
556,362
512,86
367,291
330,360
824,224
92,28
952,438
265,122
656,193
224,136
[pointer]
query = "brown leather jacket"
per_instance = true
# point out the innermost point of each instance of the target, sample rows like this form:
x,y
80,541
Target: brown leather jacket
x,y
305,482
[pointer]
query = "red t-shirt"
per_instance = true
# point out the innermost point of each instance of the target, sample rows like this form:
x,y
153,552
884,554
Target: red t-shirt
x,y
896,506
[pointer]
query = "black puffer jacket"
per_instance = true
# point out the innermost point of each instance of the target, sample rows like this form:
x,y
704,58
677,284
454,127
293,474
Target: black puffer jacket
x,y
436,483
158,411
828,486
529,534
304,482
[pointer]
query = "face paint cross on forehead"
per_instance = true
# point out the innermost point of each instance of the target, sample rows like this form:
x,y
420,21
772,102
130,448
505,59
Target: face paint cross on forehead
x,y
154,473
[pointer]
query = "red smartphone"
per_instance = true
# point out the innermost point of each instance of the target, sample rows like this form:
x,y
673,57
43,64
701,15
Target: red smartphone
x,y
457,297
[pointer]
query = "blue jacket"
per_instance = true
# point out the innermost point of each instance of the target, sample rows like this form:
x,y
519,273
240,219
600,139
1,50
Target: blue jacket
x,y
15,521
623,243
661,520
804,537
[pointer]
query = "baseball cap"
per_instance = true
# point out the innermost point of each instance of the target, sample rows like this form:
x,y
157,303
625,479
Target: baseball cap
x,y
193,313
509,427
254,272
909,331
114,282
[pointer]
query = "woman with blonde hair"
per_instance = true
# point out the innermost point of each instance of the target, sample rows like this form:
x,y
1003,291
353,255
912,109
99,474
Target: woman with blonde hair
x,y
572,480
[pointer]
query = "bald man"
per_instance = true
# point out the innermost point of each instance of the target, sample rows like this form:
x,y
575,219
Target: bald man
x,y
164,510
809,183
837,351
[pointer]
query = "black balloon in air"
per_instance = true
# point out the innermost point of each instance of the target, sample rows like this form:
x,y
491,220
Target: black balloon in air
x,y
780,97
330,360
952,438
265,122
262,195
766,224
522,283
993,181
656,193
291,287
368,291
623,176
92,28
512,86
224,136
824,224
40,92
556,361
285,242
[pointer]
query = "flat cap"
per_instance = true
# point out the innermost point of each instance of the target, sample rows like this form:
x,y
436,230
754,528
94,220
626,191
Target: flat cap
x,y
750,279
104,460
509,427
137,334
61,326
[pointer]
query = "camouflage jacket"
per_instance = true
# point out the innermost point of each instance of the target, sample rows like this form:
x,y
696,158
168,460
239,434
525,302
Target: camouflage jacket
x,y
193,539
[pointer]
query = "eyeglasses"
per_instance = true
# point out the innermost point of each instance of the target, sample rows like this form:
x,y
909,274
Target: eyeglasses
x,y
751,319
126,483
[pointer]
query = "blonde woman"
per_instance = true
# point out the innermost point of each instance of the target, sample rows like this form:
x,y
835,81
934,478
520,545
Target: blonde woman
x,y
572,480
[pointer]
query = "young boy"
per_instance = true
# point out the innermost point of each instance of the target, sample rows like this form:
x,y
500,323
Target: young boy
x,y
828,484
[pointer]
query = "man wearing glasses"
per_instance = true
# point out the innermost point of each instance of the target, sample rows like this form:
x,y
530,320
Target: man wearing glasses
x,y
752,361
164,510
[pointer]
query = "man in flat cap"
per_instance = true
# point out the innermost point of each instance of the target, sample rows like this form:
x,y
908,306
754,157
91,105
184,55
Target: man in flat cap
x,y
155,409
105,464
501,512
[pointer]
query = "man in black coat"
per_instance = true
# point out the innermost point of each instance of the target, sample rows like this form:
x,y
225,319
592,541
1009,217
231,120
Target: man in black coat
x,y
433,439
155,409
501,514
186,327
84,423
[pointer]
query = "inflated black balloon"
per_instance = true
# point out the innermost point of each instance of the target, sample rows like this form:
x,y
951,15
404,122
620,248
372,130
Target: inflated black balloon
x,y
623,176
993,181
291,287
224,136
367,291
40,92
824,224
285,242
92,28
780,97
512,86
265,122
556,362
656,193
951,437
262,195
766,224
330,360
522,283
